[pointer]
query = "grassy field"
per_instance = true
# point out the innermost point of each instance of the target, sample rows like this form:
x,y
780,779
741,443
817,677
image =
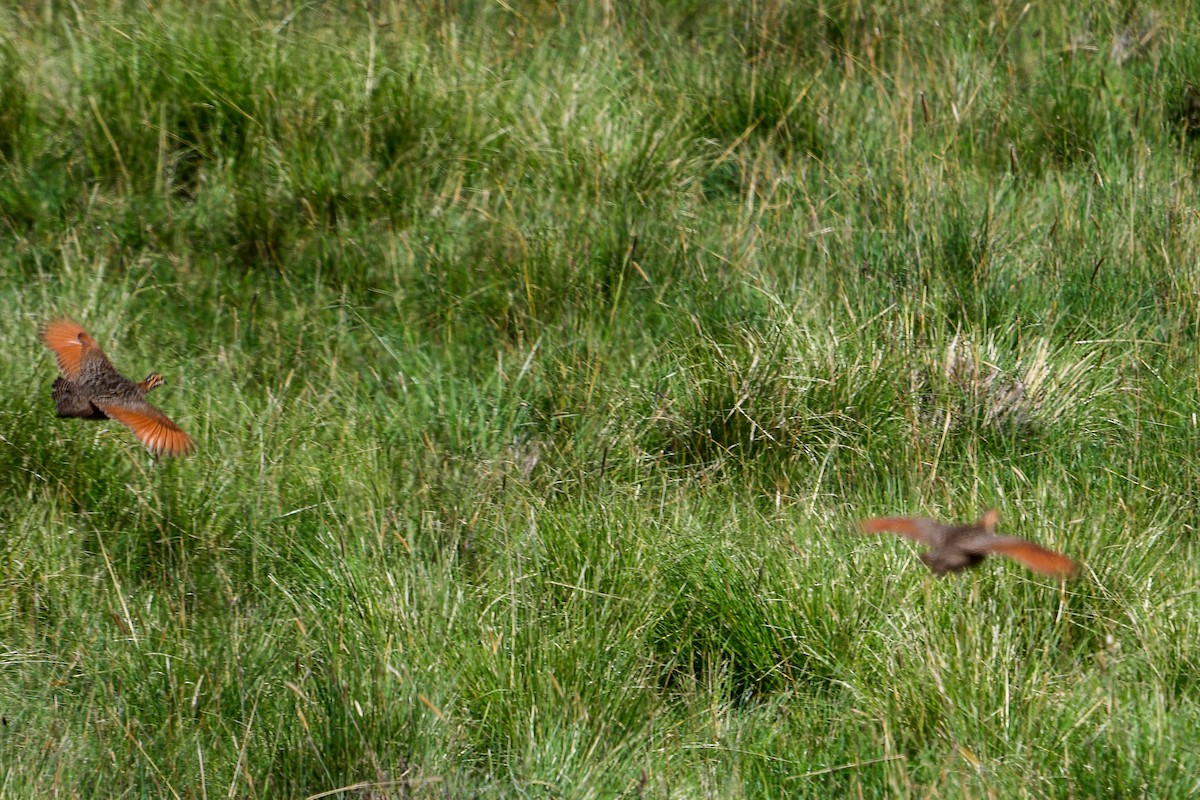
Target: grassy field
x,y
541,358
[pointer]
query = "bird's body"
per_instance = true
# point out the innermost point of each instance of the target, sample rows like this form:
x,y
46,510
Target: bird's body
x,y
956,547
91,388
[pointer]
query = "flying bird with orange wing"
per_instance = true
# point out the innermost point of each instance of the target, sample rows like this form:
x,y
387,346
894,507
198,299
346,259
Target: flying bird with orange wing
x,y
91,388
956,547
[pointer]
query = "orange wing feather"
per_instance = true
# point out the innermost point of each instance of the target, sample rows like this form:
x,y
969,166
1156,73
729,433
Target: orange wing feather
x,y
154,429
915,528
69,341
1036,557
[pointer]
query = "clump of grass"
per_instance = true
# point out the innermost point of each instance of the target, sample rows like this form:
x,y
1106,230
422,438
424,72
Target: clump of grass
x,y
14,103
761,105
1044,388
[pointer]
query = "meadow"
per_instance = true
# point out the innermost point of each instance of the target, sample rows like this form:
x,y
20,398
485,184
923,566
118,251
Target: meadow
x,y
541,358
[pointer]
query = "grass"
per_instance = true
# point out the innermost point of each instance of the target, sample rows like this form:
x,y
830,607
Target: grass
x,y
541,359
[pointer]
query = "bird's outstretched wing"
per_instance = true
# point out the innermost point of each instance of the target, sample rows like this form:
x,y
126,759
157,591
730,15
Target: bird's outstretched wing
x,y
920,529
153,428
69,341
73,348
1034,556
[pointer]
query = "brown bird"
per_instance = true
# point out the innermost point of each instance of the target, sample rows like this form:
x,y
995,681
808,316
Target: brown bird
x,y
955,547
91,388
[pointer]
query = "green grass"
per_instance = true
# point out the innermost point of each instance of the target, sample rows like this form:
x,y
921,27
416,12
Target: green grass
x,y
541,359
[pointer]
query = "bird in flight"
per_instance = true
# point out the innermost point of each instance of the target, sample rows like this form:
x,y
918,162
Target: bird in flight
x,y
91,388
956,547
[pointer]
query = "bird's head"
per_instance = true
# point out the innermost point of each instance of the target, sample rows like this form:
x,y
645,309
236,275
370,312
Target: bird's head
x,y
152,380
